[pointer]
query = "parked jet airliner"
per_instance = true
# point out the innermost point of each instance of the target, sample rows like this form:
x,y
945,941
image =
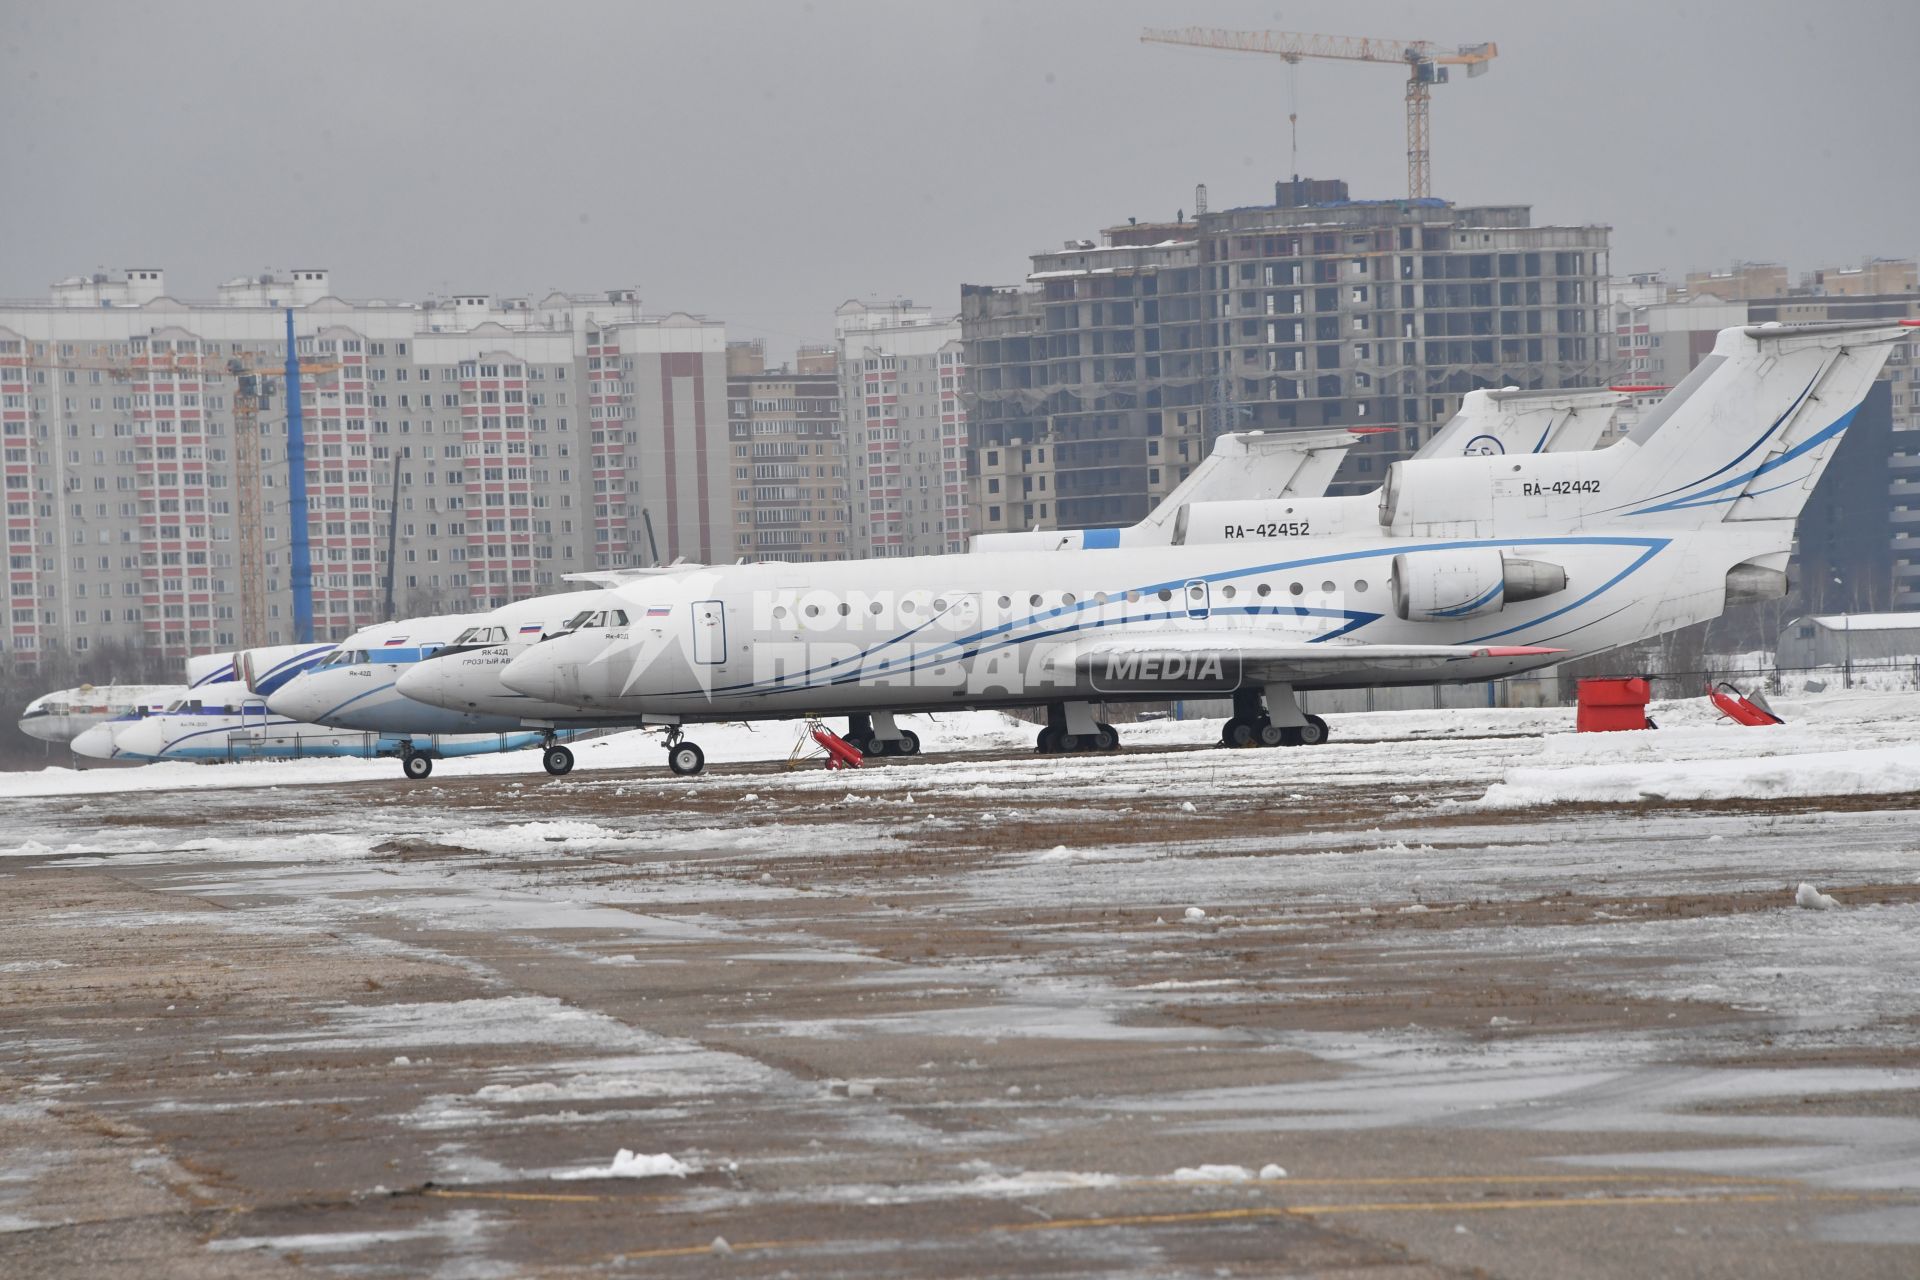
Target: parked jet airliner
x,y
222,722
1459,569
1243,468
359,685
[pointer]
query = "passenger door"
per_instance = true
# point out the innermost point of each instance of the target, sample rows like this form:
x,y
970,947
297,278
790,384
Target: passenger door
x,y
709,632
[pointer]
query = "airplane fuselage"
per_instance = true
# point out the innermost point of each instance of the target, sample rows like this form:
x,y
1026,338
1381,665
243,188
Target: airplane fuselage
x,y
940,632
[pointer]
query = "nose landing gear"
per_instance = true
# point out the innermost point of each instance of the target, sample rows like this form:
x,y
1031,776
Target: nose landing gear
x,y
415,764
683,757
557,760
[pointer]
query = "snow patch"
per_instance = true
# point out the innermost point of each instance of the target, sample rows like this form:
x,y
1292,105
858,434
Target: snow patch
x,y
1214,1173
627,1164
1875,771
1812,899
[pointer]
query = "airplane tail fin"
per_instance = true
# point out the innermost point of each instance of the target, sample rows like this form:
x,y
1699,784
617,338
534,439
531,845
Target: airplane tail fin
x,y
1747,434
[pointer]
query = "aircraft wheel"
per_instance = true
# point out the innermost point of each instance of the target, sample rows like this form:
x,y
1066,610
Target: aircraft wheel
x,y
909,744
1314,732
1044,744
1241,733
865,746
558,761
416,765
1273,735
1069,742
686,759
1106,738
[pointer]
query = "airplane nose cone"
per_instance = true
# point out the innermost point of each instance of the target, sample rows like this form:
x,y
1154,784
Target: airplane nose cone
x,y
537,673
45,728
138,739
297,699
426,682
96,743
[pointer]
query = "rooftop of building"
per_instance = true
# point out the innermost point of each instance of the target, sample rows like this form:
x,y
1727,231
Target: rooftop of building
x,y
1866,621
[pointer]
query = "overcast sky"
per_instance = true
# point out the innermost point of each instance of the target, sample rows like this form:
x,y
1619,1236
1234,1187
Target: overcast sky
x,y
763,162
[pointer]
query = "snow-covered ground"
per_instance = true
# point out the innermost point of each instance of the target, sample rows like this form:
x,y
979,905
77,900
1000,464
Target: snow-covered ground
x,y
1838,742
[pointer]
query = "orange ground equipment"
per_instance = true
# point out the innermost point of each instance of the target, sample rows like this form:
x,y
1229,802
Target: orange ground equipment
x,y
1608,705
1741,708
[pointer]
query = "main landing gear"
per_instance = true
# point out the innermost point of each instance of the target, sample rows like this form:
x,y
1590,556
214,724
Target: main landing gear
x,y
877,735
1072,728
1271,717
415,764
683,757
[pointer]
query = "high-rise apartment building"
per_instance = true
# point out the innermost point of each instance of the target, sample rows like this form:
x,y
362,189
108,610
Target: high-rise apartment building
x,y
495,445
1105,378
789,463
900,373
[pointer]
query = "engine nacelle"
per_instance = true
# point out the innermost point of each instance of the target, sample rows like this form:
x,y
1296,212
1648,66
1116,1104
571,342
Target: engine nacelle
x,y
1448,586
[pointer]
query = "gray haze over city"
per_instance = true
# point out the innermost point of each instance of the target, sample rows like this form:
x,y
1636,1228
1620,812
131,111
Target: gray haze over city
x,y
760,163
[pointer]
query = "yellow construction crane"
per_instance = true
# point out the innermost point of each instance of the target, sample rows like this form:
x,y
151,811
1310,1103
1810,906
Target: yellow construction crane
x,y
1426,66
248,396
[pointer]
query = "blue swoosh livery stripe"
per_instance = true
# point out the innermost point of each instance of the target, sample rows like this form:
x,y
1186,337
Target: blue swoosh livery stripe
x,y
1460,610
1018,632
1703,498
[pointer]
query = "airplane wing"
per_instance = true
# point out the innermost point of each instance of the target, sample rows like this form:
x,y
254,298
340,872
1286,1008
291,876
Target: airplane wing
x,y
1279,660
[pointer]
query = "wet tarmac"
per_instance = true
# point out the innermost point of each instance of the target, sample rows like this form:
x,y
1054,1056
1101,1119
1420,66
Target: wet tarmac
x,y
1192,1014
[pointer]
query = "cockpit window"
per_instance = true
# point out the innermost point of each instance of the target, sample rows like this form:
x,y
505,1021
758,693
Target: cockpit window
x,y
595,619
474,637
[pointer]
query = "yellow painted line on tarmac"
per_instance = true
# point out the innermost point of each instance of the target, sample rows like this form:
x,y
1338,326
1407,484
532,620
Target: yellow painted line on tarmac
x,y
1252,1213
1444,1179
1434,1206
549,1197
696,1250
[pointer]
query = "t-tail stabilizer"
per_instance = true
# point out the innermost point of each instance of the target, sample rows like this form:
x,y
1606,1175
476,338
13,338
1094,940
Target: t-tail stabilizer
x,y
1747,434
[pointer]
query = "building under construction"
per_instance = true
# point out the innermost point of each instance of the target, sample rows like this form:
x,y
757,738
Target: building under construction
x,y
1100,381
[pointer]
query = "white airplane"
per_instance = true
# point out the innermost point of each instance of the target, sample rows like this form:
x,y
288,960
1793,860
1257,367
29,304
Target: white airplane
x,y
1255,466
1251,465
1510,420
90,723
1459,569
222,721
1242,465
359,685
66,714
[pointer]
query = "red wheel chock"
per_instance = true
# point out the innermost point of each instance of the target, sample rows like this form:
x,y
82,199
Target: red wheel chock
x,y
1740,708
